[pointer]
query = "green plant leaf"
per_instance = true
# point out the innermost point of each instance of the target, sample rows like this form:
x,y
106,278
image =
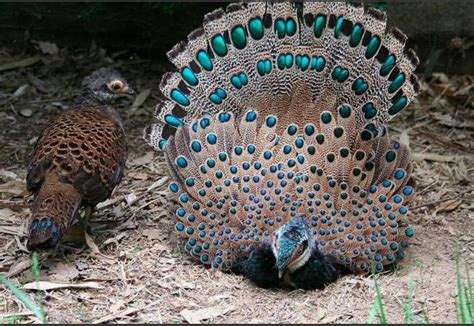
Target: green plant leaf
x,y
37,311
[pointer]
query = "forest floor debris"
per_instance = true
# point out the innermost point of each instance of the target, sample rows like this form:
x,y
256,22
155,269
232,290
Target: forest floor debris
x,y
135,264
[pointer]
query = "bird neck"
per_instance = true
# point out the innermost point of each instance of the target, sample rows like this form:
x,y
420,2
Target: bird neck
x,y
300,261
88,98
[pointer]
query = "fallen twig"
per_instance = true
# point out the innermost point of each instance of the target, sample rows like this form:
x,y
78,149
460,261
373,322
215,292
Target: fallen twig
x,y
440,200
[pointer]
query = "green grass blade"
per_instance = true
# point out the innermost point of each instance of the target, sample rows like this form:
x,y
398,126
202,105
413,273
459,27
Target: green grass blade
x,y
408,304
372,313
378,305
37,311
36,274
470,295
464,317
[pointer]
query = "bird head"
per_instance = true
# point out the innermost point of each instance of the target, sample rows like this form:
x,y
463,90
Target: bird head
x,y
106,84
292,245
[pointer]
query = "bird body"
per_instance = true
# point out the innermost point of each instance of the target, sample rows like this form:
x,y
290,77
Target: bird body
x,y
273,130
77,161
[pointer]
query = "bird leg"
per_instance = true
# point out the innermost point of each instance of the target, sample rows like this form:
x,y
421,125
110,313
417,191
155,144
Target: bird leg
x,y
84,221
90,228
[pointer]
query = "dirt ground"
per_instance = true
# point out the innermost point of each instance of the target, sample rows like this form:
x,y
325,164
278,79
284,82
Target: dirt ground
x,y
134,270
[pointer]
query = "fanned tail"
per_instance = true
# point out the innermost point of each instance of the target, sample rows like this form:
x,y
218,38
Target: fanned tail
x,y
268,58
238,181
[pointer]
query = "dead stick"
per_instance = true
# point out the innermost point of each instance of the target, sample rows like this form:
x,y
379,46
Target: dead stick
x,y
440,200
124,313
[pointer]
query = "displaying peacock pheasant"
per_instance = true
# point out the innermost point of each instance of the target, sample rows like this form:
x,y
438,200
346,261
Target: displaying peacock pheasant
x,y
273,130
78,159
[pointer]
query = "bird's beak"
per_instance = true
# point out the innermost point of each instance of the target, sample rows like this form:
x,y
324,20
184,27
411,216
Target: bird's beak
x,y
281,272
281,264
128,90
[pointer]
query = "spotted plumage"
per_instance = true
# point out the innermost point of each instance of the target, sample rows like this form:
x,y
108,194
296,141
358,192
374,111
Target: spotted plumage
x,y
274,133
78,159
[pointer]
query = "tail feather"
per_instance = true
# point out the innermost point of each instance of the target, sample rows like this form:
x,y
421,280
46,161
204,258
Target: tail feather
x,y
269,58
54,208
249,190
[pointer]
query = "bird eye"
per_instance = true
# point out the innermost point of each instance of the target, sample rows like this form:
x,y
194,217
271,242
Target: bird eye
x,y
115,85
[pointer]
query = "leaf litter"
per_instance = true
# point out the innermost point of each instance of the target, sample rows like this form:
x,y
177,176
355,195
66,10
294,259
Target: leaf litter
x,y
135,271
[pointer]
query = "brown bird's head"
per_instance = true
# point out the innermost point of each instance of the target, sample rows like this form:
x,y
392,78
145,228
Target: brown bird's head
x,y
104,85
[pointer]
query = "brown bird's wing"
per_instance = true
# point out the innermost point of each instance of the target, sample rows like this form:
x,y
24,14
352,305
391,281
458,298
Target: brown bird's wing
x,y
86,148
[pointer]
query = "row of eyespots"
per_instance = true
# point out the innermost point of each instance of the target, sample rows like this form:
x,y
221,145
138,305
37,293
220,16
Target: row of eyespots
x,y
162,144
239,80
285,60
218,45
356,34
173,121
360,86
288,27
239,38
218,95
189,76
369,110
340,74
285,27
264,67
179,97
398,105
303,61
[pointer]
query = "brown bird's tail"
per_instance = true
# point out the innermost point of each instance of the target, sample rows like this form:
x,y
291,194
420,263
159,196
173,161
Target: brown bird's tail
x,y
54,208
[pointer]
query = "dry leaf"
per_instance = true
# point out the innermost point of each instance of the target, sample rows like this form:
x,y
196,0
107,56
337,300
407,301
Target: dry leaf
x,y
152,234
45,285
5,213
131,199
48,47
82,264
38,83
20,91
404,138
448,120
196,316
14,187
157,184
141,98
142,160
64,272
139,175
440,77
19,266
116,306
461,171
26,112
95,250
109,202
8,175
33,140
160,247
448,206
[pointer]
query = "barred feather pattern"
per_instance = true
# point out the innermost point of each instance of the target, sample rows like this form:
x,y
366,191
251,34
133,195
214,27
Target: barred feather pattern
x,y
237,183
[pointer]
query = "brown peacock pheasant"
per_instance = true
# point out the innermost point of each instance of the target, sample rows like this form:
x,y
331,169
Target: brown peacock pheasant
x,y
78,160
273,130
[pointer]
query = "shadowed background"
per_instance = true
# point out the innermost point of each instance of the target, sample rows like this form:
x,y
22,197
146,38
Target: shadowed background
x,y
441,32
